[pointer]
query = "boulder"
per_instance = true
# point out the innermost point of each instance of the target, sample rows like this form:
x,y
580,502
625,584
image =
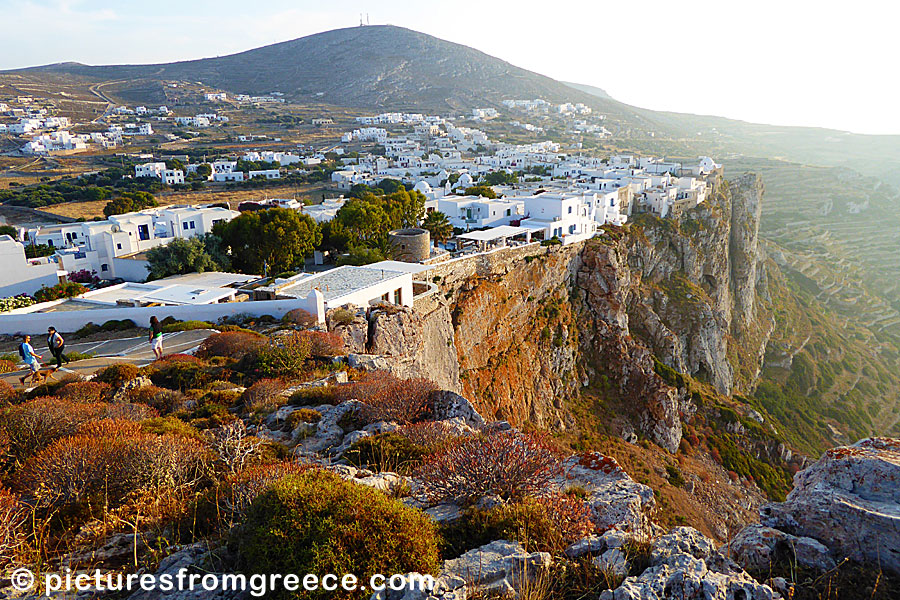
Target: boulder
x,y
615,499
329,432
685,564
757,547
501,568
190,558
849,500
450,405
446,587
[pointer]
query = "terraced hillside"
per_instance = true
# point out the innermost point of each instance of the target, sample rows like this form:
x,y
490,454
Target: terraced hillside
x,y
834,354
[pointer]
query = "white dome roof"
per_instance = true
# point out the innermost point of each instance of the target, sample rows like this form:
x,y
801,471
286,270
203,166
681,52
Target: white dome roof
x,y
466,181
423,187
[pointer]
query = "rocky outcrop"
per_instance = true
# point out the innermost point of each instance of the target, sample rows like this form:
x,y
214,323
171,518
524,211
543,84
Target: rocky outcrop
x,y
414,344
849,500
603,282
615,499
758,547
501,568
685,564
746,209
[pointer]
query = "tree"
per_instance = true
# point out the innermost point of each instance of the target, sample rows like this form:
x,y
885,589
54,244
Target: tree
x,y
129,202
367,220
500,178
182,256
481,190
439,226
277,239
10,231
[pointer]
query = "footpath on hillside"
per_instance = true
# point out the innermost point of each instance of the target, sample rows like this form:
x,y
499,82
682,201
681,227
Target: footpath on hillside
x,y
134,350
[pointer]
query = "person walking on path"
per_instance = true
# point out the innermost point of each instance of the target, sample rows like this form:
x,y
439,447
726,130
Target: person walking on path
x,y
57,345
156,337
26,351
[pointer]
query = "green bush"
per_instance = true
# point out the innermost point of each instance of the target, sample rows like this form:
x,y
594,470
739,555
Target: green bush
x,y
315,396
181,375
187,326
315,522
547,524
386,452
59,291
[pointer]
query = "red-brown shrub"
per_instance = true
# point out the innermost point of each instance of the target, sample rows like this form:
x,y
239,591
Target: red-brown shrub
x,y
8,366
163,400
388,398
265,394
13,516
230,344
34,425
322,344
117,374
85,391
301,317
111,460
507,464
7,393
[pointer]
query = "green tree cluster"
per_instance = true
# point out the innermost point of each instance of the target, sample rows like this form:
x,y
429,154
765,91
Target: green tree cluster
x,y
192,255
129,202
273,240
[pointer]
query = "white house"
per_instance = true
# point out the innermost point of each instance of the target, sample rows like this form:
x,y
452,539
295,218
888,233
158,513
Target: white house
x,y
155,169
568,217
21,275
266,174
474,212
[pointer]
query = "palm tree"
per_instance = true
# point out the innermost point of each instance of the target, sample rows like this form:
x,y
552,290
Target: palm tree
x,y
439,226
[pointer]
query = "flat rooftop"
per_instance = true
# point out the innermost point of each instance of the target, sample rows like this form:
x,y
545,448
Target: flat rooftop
x,y
339,282
208,279
494,233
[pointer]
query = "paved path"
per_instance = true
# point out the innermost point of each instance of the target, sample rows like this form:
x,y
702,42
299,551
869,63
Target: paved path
x,y
134,350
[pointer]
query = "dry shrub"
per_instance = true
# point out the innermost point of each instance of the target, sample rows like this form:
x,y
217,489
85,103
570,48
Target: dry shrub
x,y
162,400
13,516
322,344
7,393
5,453
233,446
300,317
388,398
265,394
34,425
177,358
507,464
549,523
430,434
85,391
110,460
8,366
283,356
117,374
230,344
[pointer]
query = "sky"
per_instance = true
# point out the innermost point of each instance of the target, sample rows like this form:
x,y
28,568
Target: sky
x,y
787,62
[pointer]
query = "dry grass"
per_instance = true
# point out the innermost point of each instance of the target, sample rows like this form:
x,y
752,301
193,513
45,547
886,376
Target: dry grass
x,y
89,210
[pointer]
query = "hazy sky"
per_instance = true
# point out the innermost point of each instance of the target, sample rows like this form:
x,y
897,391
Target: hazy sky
x,y
786,62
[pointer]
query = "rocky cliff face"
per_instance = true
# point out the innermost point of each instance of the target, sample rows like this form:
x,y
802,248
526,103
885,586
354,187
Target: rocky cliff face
x,y
695,284
522,332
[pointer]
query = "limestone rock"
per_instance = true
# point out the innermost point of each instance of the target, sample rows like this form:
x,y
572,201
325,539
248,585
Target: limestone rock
x,y
757,547
615,499
850,501
685,564
450,405
498,568
188,557
446,587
